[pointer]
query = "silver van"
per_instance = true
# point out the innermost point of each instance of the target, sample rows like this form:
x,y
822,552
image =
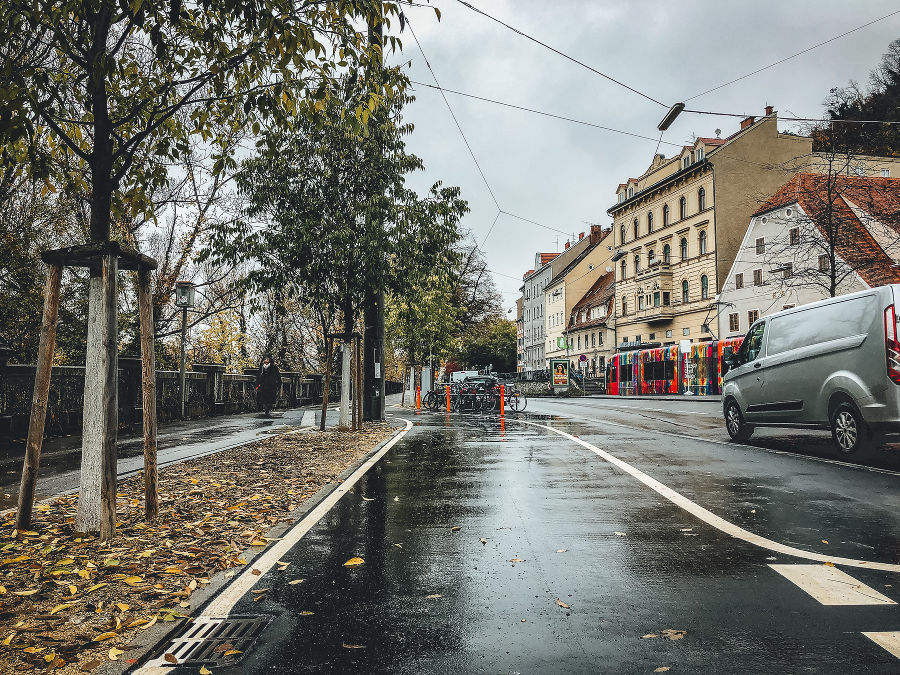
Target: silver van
x,y
832,364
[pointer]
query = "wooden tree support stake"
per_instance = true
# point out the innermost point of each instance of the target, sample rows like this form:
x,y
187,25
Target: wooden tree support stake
x,y
148,389
39,397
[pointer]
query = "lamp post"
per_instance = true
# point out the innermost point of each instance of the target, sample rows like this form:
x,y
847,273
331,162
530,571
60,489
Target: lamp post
x,y
184,298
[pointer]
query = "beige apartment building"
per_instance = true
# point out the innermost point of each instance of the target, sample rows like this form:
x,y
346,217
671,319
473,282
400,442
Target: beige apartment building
x,y
569,285
678,227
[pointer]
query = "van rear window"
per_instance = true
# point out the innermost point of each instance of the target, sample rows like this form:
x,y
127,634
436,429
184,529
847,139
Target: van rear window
x,y
821,324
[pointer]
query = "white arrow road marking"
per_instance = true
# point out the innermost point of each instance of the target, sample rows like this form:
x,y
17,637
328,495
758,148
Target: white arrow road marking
x,y
711,518
831,586
888,640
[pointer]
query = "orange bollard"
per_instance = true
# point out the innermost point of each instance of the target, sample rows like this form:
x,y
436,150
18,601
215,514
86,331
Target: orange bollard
x,y
502,400
448,398
418,398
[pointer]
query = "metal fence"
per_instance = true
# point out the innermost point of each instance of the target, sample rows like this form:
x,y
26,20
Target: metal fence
x,y
210,391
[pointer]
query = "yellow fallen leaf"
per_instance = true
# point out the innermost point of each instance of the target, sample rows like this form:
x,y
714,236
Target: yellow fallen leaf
x,y
27,533
433,596
104,636
828,564
95,587
2,590
306,613
673,633
6,642
151,622
354,562
114,654
259,542
294,582
61,607
662,669
173,570
205,671
136,623
131,581
73,590
49,657
33,650
123,607
232,652
29,592
824,541
562,604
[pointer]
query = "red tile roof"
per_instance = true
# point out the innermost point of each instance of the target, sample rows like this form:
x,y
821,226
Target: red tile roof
x,y
547,257
879,198
713,141
599,294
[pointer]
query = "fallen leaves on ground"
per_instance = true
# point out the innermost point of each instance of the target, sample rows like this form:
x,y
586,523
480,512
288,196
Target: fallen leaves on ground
x,y
354,562
662,669
673,634
81,600
562,604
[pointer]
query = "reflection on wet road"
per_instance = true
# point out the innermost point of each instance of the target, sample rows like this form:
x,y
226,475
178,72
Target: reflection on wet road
x,y
517,550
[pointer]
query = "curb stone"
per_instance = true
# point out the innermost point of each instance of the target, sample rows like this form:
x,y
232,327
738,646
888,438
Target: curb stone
x,y
144,645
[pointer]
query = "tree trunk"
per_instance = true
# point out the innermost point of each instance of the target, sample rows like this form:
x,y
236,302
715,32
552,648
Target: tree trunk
x,y
97,494
327,383
39,398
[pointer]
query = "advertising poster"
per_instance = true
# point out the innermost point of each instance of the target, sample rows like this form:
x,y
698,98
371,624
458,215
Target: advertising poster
x,y
560,370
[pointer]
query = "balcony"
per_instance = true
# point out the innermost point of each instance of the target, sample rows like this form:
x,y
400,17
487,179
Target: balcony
x,y
657,272
655,314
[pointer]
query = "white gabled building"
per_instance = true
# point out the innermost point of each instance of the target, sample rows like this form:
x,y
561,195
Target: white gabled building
x,y
785,257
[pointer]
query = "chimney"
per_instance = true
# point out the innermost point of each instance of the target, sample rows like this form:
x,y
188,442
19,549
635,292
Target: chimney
x,y
747,122
567,246
596,233
768,110
580,236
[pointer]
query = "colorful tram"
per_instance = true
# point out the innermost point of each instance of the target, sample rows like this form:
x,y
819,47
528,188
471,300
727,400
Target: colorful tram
x,y
697,369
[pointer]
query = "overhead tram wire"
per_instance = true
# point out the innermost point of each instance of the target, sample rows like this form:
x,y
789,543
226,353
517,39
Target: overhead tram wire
x,y
792,56
563,54
540,112
452,114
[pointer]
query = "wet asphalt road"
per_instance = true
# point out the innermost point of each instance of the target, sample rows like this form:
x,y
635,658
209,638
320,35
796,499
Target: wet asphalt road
x,y
628,562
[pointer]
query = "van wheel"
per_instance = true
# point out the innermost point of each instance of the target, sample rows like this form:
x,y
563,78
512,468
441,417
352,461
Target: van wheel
x,y
739,430
849,430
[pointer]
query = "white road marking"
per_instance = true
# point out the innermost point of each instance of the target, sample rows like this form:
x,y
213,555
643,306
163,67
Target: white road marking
x,y
888,640
710,518
308,419
228,598
831,586
732,444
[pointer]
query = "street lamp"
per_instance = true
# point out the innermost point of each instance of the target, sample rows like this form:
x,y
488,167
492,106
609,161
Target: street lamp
x,y
184,298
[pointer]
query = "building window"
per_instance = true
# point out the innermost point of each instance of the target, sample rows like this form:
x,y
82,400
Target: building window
x,y
579,342
739,280
699,154
682,207
752,316
684,249
621,197
824,265
667,253
631,192
651,256
622,234
637,264
788,270
624,268
795,236
685,331
635,227
701,199
624,306
668,333
593,339
704,287
760,246
649,222
734,322
665,215
640,300
652,336
885,173
702,242
684,291
685,161
600,339
859,170
757,278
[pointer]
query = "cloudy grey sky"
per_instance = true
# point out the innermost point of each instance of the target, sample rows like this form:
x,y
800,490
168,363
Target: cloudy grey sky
x,y
564,175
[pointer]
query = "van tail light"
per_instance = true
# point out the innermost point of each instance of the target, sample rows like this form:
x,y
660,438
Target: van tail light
x,y
892,347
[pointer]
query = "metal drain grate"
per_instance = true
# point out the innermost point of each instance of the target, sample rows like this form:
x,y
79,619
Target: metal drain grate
x,y
197,645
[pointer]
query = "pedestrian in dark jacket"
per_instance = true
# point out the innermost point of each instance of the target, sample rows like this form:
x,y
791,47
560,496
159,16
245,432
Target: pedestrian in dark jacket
x,y
268,384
